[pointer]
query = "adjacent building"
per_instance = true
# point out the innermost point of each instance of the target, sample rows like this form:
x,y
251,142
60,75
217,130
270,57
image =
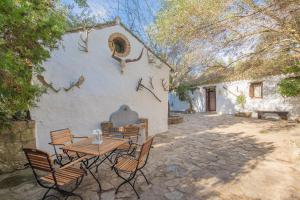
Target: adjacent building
x,y
220,95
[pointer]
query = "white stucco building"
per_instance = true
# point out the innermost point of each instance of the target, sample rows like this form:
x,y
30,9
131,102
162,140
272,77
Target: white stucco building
x,y
101,87
261,95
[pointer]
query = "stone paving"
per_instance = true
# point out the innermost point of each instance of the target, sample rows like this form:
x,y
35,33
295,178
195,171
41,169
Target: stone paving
x,y
207,157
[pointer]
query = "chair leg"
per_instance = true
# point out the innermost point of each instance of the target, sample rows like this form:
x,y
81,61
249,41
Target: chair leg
x,y
45,195
67,194
78,182
138,196
131,176
73,194
117,190
144,176
125,180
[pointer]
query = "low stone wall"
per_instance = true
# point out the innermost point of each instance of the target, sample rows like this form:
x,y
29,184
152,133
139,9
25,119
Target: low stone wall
x,y
175,119
20,134
243,114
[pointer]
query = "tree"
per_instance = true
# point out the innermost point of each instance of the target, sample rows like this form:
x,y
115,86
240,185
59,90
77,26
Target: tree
x,y
183,93
235,30
29,30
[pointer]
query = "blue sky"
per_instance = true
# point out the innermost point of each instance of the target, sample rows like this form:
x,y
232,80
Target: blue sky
x,y
135,14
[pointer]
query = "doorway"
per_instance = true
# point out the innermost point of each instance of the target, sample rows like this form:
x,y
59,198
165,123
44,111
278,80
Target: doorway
x,y
210,93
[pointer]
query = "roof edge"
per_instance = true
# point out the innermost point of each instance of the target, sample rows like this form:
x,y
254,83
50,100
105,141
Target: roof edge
x,y
258,79
113,23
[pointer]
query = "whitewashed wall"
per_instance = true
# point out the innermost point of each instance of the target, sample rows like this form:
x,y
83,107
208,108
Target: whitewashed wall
x,y
104,90
226,98
176,104
197,98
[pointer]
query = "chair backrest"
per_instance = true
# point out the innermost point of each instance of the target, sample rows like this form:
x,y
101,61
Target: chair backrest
x,y
131,130
39,160
144,153
61,137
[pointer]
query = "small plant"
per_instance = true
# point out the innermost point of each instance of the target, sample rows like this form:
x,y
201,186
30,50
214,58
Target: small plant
x,y
241,100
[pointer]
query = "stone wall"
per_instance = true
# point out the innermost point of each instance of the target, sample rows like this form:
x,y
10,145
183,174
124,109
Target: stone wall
x,y
20,134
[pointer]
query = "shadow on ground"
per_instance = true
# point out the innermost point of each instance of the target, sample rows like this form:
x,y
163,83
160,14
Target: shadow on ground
x,y
190,161
188,158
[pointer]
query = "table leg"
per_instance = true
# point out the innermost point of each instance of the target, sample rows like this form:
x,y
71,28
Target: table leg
x,y
88,167
106,157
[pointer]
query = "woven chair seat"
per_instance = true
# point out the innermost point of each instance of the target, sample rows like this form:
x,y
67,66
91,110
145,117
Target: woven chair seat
x,y
126,164
64,176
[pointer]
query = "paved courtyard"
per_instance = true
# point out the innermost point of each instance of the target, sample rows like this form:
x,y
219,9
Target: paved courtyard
x,y
206,157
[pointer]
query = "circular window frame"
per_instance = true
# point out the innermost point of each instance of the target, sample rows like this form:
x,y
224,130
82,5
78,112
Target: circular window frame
x,y
127,47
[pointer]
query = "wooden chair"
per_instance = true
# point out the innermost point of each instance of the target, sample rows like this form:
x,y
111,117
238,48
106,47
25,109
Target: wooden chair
x,y
55,179
130,132
60,138
128,164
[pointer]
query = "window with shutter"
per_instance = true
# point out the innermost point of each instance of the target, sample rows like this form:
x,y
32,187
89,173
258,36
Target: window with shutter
x,y
251,91
256,90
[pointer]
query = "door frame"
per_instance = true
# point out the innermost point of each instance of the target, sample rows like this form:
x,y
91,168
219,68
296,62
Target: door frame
x,y
207,98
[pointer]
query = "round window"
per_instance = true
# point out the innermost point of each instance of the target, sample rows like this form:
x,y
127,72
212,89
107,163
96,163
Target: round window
x,y
120,44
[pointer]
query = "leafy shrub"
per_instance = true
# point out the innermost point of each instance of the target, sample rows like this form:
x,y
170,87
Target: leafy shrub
x,y
241,100
29,30
290,87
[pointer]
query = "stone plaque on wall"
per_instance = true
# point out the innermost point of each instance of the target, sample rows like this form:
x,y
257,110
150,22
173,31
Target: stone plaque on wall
x,y
124,116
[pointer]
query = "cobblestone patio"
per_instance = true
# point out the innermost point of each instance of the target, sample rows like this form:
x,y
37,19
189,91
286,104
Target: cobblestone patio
x,y
206,157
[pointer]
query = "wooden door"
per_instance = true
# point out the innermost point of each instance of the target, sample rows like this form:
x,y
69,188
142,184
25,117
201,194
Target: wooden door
x,y
210,99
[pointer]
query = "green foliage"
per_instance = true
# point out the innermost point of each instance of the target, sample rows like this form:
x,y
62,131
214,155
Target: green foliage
x,y
182,91
294,68
290,87
241,100
248,69
181,18
29,30
212,28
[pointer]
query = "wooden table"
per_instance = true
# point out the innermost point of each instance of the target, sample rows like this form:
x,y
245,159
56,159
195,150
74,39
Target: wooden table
x,y
85,148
